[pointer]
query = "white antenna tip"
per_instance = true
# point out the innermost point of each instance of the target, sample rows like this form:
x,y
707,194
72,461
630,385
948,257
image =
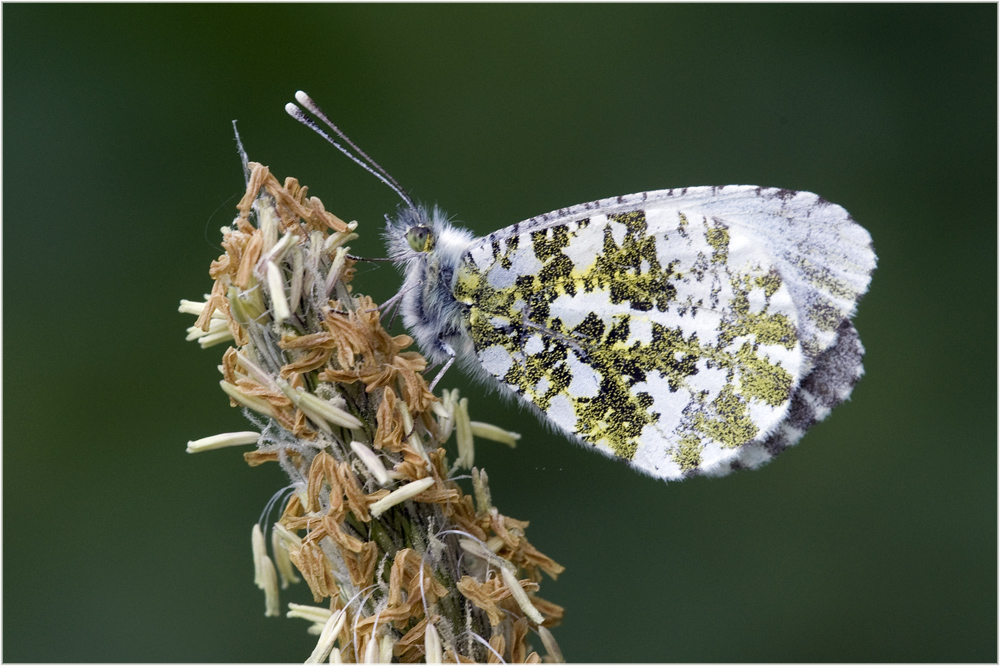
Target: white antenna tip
x,y
306,101
292,110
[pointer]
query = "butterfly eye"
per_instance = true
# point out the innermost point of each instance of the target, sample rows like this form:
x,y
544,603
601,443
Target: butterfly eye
x,y
420,239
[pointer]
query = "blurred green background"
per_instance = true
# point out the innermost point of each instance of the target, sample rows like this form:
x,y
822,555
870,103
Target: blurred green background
x,y
873,540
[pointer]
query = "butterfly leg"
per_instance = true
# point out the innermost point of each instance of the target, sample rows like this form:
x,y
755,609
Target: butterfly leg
x,y
393,303
389,308
451,359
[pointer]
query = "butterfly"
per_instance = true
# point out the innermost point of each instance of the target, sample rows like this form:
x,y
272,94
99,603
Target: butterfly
x,y
687,331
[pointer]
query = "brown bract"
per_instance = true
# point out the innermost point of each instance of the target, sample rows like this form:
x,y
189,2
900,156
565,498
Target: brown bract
x,y
382,363
298,213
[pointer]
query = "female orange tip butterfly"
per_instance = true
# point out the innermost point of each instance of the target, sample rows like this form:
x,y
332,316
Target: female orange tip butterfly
x,y
686,331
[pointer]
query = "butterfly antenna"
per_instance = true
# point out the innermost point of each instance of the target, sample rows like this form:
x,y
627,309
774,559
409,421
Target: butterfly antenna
x,y
314,108
380,173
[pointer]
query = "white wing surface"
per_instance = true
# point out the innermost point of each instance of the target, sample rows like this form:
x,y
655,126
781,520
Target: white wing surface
x,y
686,331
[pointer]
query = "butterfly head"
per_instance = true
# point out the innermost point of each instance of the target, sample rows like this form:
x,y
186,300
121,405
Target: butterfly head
x,y
421,233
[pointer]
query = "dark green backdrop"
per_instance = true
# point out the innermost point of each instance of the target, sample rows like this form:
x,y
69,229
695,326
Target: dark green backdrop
x,y
873,540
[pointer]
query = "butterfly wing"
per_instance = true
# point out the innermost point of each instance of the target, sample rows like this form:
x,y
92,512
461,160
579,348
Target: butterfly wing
x,y
673,329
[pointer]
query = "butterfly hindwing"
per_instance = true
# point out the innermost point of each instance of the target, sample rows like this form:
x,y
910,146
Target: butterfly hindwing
x,y
659,328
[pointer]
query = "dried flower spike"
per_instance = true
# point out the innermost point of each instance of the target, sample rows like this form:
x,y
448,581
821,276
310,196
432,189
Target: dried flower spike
x,y
408,566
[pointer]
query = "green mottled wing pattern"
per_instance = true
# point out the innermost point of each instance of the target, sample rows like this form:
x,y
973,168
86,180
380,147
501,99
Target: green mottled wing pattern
x,y
685,331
